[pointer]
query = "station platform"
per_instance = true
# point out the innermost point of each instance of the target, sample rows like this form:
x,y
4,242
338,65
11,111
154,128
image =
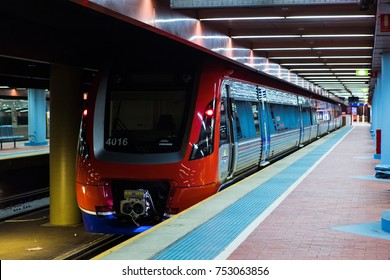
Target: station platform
x,y
321,202
21,150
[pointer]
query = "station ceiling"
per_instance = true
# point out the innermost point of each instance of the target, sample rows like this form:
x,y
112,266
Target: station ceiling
x,y
324,42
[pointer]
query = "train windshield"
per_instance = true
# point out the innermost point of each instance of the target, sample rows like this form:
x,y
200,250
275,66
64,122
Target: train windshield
x,y
147,114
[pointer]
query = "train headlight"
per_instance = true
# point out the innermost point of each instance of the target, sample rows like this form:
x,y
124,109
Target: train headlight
x,y
205,144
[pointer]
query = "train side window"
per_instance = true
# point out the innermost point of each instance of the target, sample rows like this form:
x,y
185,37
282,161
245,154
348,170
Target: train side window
x,y
277,115
256,117
236,122
314,120
306,116
247,114
292,118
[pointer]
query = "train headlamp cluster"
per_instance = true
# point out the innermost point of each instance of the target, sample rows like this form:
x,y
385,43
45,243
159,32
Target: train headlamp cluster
x,y
205,144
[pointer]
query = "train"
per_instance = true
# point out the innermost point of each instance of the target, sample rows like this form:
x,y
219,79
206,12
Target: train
x,y
160,133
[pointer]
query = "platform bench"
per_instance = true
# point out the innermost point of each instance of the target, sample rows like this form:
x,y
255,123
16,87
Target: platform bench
x,y
7,135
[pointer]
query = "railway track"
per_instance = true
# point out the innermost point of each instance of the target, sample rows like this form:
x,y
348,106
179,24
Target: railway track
x,y
94,248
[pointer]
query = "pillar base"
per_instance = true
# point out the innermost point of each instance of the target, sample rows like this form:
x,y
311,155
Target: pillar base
x,y
385,223
42,143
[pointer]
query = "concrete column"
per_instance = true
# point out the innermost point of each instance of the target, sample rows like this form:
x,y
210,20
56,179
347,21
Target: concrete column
x,y
36,117
385,117
65,112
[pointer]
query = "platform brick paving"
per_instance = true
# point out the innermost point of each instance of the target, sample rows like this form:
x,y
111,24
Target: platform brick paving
x,y
331,195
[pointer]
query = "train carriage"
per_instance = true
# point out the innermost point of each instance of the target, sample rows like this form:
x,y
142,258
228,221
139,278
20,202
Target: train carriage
x,y
157,140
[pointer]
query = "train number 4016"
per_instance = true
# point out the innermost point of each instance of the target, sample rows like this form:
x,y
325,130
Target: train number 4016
x,y
117,141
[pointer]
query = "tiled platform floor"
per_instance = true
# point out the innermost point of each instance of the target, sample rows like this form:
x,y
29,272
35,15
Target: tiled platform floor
x,y
336,193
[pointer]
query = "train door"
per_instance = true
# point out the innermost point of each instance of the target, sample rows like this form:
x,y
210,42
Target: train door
x,y
227,147
264,126
301,125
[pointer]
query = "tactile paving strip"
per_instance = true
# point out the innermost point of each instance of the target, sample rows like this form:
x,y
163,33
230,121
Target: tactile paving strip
x,y
209,240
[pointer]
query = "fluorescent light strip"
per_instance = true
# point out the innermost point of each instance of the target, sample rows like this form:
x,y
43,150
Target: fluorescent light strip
x,y
319,76
300,36
331,17
282,49
318,48
356,77
319,57
302,64
249,57
350,78
348,63
342,48
335,35
294,57
229,49
169,20
240,18
324,80
310,69
289,17
209,37
349,69
264,36
256,64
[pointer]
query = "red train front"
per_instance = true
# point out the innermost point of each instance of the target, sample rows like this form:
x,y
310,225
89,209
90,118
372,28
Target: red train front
x,y
146,143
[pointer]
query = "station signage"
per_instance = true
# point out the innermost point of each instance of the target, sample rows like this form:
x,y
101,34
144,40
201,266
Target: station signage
x,y
362,72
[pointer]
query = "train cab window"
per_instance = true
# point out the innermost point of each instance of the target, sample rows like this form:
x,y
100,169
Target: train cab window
x,y
146,121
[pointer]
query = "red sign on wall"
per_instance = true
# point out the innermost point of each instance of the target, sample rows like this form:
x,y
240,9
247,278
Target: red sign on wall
x,y
385,22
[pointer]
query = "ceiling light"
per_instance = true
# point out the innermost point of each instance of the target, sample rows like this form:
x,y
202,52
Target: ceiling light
x,y
349,69
347,56
316,17
302,64
281,49
294,57
169,20
326,81
249,57
348,63
310,69
240,18
326,76
343,48
264,36
209,37
335,35
229,49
